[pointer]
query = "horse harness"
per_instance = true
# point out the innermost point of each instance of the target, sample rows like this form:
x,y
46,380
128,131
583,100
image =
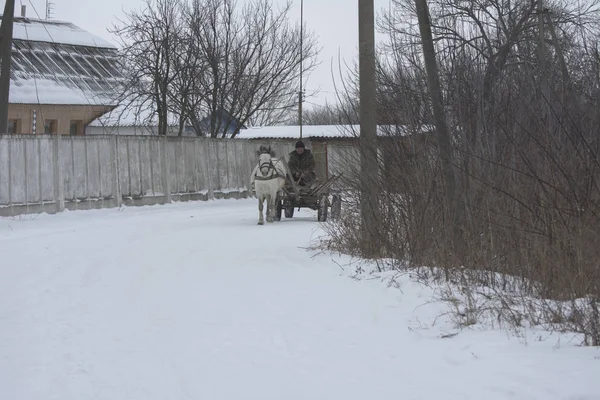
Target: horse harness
x,y
271,166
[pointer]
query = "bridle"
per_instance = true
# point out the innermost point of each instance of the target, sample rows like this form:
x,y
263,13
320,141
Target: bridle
x,y
270,167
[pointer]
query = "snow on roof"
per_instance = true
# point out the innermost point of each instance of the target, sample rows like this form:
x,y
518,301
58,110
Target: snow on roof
x,y
138,115
293,131
23,91
123,116
127,116
321,131
36,30
63,73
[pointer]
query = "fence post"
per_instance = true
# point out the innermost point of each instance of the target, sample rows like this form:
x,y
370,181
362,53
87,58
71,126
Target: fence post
x,y
73,175
10,196
87,172
196,180
100,191
164,167
211,194
115,168
39,171
26,175
59,192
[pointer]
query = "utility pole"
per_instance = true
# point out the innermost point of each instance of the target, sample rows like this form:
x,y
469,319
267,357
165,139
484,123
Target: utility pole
x,y
542,46
300,95
5,52
369,174
561,57
544,88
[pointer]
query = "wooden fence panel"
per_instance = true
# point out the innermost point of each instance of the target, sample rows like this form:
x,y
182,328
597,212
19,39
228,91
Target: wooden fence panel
x,y
92,170
5,171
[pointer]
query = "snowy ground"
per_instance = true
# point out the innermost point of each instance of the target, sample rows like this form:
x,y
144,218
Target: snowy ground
x,y
195,301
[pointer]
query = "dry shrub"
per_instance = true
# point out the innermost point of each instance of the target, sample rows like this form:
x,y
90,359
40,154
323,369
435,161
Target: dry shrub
x,y
530,187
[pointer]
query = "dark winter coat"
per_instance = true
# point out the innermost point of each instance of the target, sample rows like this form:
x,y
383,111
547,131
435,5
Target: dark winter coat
x,y
304,162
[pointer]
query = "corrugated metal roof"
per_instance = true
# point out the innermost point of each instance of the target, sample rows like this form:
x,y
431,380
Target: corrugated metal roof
x,y
323,131
293,131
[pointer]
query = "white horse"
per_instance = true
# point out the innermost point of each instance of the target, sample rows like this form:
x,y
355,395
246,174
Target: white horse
x,y
268,178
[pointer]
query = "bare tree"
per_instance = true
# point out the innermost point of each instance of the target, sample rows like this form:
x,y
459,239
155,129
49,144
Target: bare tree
x,y
149,38
328,114
443,133
234,64
490,33
253,54
525,150
402,97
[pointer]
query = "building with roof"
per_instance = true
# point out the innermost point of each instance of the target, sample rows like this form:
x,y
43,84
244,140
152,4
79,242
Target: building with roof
x,y
62,78
225,124
346,133
135,119
336,145
132,120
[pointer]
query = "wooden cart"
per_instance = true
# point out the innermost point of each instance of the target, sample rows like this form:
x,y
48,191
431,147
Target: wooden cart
x,y
317,197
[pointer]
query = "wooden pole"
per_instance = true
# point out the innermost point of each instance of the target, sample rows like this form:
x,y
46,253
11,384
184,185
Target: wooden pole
x,y
542,59
561,57
5,52
300,97
368,127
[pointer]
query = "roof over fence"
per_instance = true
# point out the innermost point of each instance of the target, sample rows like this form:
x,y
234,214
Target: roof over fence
x,y
132,115
292,132
57,62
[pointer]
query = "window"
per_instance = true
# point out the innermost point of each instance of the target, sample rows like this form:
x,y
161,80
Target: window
x,y
108,66
37,63
74,64
76,127
99,67
50,126
13,126
64,68
18,63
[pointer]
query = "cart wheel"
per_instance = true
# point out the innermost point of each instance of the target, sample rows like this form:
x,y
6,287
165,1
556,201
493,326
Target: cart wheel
x,y
322,211
289,212
278,208
336,206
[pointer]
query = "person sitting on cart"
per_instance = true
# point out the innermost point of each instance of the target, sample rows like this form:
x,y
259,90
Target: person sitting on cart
x,y
302,165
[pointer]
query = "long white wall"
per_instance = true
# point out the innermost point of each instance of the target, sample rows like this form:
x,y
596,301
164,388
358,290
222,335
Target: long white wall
x,y
52,173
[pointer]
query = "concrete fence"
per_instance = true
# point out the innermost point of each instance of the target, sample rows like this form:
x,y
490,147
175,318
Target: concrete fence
x,y
52,173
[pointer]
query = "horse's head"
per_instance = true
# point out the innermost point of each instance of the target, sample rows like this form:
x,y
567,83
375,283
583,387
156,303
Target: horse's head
x,y
265,153
265,163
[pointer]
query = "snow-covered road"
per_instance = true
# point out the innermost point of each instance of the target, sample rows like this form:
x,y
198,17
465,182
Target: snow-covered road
x,y
195,301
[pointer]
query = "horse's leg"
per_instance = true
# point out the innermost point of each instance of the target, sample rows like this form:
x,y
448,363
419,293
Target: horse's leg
x,y
269,208
261,198
273,205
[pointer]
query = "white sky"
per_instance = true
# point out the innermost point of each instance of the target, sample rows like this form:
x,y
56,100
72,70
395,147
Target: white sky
x,y
334,21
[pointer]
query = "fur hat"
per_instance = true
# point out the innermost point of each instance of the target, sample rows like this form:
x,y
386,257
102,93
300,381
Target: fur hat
x,y
299,143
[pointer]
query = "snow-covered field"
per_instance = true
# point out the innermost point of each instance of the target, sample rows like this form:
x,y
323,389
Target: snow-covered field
x,y
195,301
